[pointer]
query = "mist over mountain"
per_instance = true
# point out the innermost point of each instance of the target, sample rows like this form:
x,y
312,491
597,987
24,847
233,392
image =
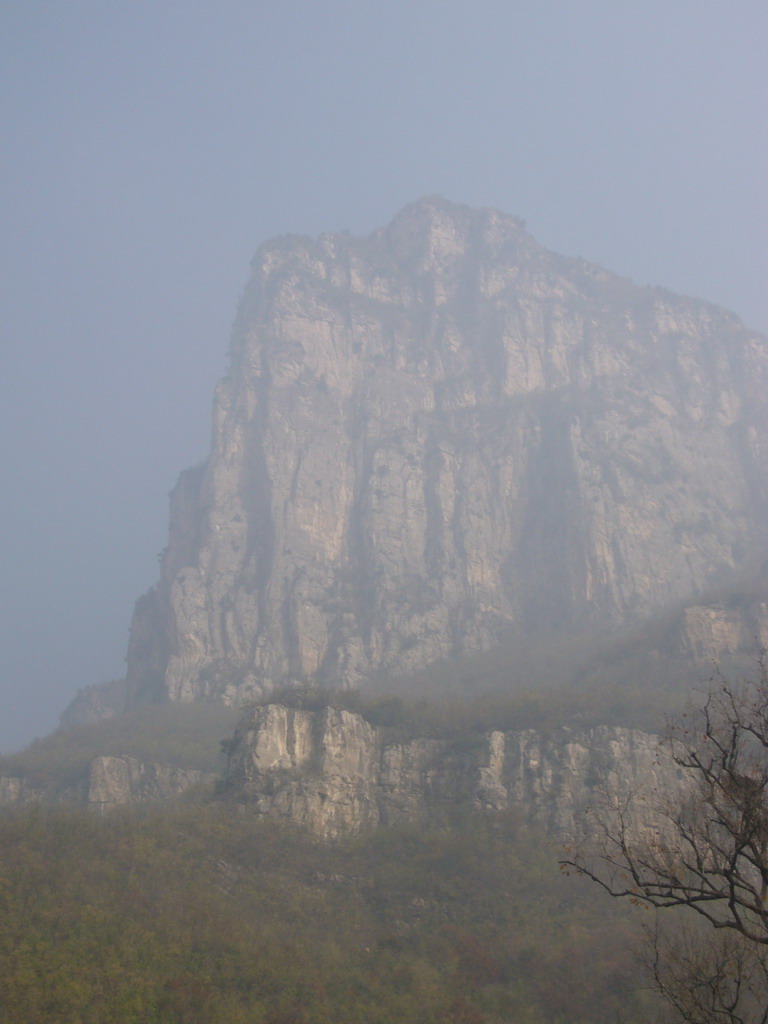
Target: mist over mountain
x,y
444,440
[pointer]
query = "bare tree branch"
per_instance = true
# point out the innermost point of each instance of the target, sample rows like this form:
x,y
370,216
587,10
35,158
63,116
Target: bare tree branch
x,y
704,850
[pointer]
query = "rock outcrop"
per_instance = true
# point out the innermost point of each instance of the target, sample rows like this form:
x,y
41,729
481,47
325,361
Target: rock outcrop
x,y
108,782
95,703
441,436
113,781
716,632
333,773
16,789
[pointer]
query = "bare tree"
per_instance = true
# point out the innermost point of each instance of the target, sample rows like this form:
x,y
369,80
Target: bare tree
x,y
706,854
707,977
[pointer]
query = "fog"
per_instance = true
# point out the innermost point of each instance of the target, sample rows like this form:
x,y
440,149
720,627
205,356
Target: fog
x,y
151,147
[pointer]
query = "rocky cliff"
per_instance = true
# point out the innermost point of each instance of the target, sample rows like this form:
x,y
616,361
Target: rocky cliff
x,y
113,781
441,436
108,782
333,773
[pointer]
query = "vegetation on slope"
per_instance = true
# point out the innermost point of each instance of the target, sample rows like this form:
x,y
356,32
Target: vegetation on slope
x,y
460,716
198,914
182,735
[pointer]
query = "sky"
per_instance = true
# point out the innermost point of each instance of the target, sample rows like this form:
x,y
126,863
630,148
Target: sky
x,y
150,147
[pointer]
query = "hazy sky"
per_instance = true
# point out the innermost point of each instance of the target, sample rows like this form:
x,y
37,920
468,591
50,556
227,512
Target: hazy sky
x,y
151,146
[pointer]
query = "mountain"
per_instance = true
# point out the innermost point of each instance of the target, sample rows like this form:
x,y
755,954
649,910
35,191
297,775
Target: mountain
x,y
444,438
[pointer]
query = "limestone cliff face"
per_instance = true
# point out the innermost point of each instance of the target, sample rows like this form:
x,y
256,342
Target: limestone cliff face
x,y
19,790
108,782
715,631
95,703
113,781
331,772
441,435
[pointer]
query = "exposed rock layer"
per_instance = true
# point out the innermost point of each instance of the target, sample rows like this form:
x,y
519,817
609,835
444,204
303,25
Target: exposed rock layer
x,y
333,773
109,782
113,781
95,703
440,436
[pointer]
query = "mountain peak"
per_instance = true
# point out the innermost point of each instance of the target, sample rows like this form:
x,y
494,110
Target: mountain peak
x,y
442,439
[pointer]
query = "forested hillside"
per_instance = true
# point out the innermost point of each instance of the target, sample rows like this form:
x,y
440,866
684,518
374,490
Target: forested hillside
x,y
199,914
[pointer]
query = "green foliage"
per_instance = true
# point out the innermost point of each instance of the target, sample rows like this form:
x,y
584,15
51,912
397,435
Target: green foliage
x,y
204,914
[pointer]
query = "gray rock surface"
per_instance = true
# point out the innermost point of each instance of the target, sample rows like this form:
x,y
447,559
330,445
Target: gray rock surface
x,y
95,703
442,435
19,790
109,782
113,781
333,773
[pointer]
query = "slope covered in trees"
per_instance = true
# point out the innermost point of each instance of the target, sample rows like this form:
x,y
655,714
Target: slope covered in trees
x,y
199,914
